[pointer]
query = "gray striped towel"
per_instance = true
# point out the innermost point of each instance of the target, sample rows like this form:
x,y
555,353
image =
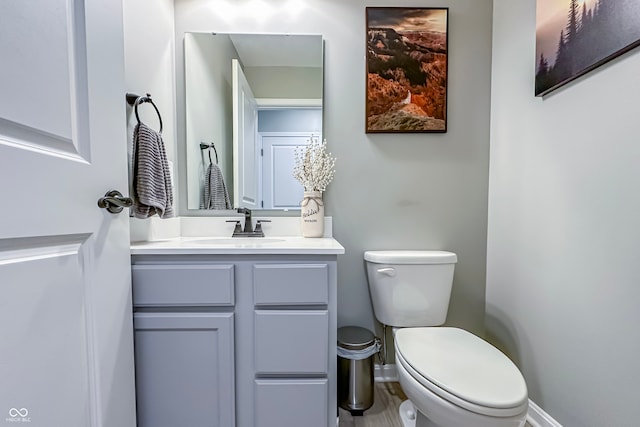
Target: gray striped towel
x,y
214,192
152,193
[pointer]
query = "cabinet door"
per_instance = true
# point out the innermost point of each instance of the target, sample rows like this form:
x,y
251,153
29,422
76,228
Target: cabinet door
x,y
291,403
184,369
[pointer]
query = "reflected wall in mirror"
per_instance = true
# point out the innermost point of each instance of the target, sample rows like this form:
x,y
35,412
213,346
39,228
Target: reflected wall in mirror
x,y
251,99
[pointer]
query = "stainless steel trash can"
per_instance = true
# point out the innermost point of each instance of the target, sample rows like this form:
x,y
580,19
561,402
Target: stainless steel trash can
x,y
356,347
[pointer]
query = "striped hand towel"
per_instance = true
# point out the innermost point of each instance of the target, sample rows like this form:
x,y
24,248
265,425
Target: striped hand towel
x,y
214,194
152,192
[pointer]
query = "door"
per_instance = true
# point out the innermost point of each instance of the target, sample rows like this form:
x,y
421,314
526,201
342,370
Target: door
x,y
245,150
280,189
66,352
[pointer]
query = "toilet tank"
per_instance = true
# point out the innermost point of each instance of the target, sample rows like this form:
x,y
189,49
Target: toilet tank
x,y
410,288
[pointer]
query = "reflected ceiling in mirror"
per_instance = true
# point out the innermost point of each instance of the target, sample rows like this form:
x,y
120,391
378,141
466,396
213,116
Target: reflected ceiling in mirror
x,y
250,100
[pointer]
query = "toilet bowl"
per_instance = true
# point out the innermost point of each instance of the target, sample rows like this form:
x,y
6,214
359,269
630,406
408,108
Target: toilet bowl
x,y
451,377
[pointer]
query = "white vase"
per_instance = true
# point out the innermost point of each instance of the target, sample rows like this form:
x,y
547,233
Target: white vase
x,y
312,214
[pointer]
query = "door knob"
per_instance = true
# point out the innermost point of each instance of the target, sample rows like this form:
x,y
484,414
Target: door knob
x,y
114,201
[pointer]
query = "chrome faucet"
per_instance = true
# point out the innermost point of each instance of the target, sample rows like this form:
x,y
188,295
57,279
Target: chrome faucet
x,y
248,227
248,231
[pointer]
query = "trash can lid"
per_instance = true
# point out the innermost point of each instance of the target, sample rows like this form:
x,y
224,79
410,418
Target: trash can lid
x,y
355,337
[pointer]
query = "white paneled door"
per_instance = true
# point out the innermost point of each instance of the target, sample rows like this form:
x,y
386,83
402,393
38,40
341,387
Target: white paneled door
x,y
246,153
66,349
280,189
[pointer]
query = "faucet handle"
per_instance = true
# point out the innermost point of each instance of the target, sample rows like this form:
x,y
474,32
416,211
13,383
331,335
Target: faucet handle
x,y
258,229
237,228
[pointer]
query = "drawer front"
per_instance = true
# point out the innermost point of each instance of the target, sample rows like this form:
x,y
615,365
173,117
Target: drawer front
x,y
182,285
299,284
291,403
291,341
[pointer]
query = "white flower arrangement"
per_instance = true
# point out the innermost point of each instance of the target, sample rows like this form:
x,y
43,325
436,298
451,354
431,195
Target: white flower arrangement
x,y
314,166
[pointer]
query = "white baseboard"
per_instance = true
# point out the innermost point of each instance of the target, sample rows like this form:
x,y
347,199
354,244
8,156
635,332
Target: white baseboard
x,y
385,373
536,416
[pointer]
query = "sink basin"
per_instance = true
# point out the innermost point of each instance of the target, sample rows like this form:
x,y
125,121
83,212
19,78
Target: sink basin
x,y
237,241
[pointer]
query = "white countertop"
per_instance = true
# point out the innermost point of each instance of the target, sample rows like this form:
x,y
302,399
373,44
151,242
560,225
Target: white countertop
x,y
239,246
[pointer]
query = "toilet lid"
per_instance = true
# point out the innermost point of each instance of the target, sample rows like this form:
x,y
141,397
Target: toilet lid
x,y
463,365
410,257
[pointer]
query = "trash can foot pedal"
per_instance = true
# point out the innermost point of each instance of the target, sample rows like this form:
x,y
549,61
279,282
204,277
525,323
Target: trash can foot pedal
x,y
356,413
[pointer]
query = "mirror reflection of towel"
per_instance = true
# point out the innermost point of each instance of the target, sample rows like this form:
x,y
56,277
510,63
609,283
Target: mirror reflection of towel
x,y
152,192
214,194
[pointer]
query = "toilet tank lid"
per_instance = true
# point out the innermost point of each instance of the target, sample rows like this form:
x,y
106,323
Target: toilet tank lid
x,y
410,257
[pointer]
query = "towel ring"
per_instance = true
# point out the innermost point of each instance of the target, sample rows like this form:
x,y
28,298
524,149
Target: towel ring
x,y
204,146
136,100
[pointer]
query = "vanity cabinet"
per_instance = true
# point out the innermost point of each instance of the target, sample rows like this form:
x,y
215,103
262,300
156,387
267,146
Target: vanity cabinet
x,y
235,340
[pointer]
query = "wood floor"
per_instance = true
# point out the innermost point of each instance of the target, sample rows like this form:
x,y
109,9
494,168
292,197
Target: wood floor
x,y
387,398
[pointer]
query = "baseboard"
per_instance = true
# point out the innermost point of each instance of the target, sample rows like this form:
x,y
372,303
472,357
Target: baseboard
x,y
536,416
385,373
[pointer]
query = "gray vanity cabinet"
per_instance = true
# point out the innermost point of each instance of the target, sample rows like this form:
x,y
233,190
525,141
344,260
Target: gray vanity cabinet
x,y
280,312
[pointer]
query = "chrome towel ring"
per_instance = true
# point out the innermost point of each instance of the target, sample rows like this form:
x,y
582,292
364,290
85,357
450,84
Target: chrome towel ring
x,y
135,100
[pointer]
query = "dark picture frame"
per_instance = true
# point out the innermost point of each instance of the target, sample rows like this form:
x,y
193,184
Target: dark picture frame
x,y
407,69
581,36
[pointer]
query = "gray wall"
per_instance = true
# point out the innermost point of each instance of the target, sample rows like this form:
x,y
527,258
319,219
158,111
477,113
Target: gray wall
x,y
391,191
563,277
290,120
208,114
285,82
149,67
149,59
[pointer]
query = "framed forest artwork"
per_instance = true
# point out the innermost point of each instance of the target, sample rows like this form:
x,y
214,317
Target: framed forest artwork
x,y
407,55
575,36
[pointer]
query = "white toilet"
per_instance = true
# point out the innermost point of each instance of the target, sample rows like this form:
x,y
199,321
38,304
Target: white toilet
x,y
452,377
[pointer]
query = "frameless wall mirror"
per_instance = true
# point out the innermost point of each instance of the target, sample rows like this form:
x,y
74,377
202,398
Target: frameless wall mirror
x,y
251,99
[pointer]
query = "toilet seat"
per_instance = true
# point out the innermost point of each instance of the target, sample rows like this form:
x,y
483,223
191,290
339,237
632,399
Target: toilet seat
x,y
463,369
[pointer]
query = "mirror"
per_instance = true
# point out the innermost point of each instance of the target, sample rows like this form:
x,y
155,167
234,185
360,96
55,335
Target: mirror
x,y
251,99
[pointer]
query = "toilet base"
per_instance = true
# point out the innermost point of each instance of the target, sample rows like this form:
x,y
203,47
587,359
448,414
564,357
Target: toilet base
x,y
411,417
407,414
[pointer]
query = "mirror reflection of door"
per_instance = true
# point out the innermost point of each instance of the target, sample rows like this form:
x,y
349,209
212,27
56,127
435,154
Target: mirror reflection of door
x,y
280,189
280,132
264,141
246,153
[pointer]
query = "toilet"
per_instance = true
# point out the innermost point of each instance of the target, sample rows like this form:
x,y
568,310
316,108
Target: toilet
x,y
451,377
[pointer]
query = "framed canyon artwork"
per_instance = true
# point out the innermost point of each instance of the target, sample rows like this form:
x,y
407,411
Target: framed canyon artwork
x,y
407,59
574,37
